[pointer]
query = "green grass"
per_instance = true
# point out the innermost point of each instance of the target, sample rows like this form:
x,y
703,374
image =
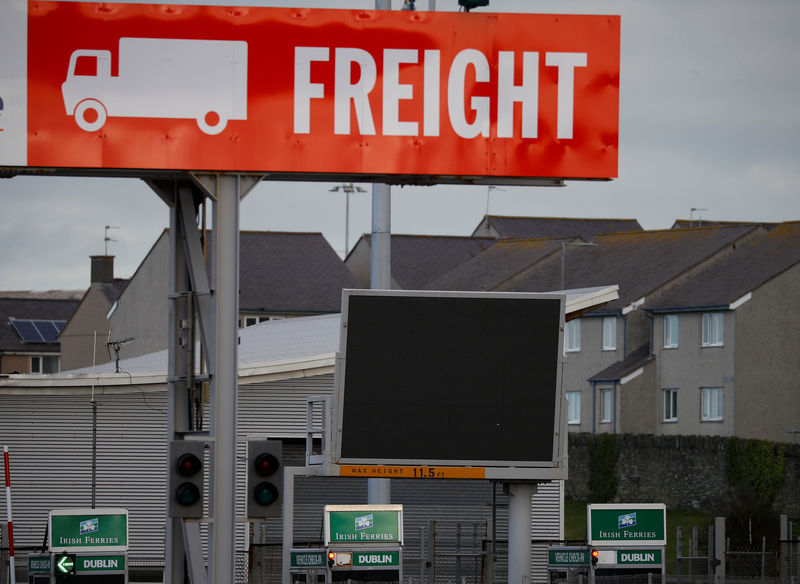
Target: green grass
x,y
575,528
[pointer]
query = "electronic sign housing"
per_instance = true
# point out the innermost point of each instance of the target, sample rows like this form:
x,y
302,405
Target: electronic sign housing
x,y
435,380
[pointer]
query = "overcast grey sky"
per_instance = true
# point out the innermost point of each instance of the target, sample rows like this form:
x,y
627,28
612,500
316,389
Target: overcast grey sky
x,y
709,118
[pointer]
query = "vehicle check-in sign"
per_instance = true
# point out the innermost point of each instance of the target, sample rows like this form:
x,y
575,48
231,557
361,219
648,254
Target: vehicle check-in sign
x,y
297,90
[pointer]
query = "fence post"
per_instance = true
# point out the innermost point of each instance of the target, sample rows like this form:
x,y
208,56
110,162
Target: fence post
x,y
679,547
784,551
719,550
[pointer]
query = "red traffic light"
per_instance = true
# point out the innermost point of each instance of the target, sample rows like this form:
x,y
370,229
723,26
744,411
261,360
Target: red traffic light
x,y
331,559
188,465
595,556
266,464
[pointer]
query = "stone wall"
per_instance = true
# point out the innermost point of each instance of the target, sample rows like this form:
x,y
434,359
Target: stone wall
x,y
683,472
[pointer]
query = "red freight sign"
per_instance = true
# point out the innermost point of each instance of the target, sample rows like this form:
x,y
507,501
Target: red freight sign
x,y
296,90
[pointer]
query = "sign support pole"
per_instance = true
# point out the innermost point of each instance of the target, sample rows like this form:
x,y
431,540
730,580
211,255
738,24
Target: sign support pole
x,y
379,490
519,532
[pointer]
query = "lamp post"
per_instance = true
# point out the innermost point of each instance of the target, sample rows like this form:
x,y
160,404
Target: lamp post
x,y
348,189
564,245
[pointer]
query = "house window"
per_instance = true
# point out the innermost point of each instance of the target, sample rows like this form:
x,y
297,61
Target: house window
x,y
44,364
711,404
670,405
572,336
712,329
574,407
670,331
252,320
609,333
606,404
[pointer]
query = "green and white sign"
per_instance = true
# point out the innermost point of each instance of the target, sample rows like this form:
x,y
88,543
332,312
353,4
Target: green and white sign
x,y
39,563
74,530
97,564
558,557
307,559
620,525
363,524
639,557
376,559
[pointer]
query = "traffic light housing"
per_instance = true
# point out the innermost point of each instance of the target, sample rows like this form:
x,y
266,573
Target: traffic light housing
x,y
185,487
65,566
469,4
595,556
264,460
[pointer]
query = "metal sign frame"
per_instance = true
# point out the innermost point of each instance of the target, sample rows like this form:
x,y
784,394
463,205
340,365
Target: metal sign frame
x,y
552,468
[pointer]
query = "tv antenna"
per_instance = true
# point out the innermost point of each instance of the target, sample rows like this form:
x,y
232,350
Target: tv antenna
x,y
116,346
106,238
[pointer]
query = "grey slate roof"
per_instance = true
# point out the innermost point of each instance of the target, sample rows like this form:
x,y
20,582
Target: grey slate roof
x,y
626,366
639,262
290,272
31,308
497,264
419,259
749,265
536,227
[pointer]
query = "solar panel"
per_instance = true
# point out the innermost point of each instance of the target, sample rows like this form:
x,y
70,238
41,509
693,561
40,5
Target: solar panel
x,y
47,329
38,331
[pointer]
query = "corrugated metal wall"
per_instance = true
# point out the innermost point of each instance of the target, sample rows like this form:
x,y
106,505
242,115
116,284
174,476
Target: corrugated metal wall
x,y
50,444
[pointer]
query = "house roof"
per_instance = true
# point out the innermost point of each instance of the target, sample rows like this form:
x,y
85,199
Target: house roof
x,y
419,259
639,262
626,366
749,264
290,272
536,227
503,260
31,309
689,223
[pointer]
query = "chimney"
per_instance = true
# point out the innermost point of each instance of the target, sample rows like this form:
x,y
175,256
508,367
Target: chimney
x,y
102,269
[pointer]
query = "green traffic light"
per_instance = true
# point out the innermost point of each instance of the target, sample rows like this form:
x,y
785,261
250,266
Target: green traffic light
x,y
265,493
187,494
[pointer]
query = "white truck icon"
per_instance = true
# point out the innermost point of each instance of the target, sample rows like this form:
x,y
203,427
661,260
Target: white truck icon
x,y
205,80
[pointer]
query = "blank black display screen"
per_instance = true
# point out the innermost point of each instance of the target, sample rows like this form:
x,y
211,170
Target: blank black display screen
x,y
450,378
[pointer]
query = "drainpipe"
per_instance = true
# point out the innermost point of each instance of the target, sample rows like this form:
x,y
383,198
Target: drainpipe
x,y
594,407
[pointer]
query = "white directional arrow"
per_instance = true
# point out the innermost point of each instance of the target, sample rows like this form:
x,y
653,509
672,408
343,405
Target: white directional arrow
x,y
65,564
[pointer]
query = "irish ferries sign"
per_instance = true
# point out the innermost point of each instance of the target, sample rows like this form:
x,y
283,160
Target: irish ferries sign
x,y
620,525
363,524
95,530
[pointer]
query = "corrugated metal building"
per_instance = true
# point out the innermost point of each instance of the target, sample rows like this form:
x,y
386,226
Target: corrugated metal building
x,y
51,422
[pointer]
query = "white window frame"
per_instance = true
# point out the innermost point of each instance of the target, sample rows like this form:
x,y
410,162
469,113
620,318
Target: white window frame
x,y
671,331
572,336
713,330
573,407
711,402
606,405
670,401
37,363
609,333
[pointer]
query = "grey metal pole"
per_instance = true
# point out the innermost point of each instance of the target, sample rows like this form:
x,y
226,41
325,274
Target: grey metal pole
x,y
519,532
226,227
379,490
719,549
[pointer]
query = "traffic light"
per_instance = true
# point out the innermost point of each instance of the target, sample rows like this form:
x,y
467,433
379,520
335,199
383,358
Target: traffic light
x,y
595,556
65,566
469,4
331,559
264,478
185,487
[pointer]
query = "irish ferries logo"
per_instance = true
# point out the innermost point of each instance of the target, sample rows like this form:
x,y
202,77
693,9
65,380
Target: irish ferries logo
x,y
364,522
90,526
627,520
